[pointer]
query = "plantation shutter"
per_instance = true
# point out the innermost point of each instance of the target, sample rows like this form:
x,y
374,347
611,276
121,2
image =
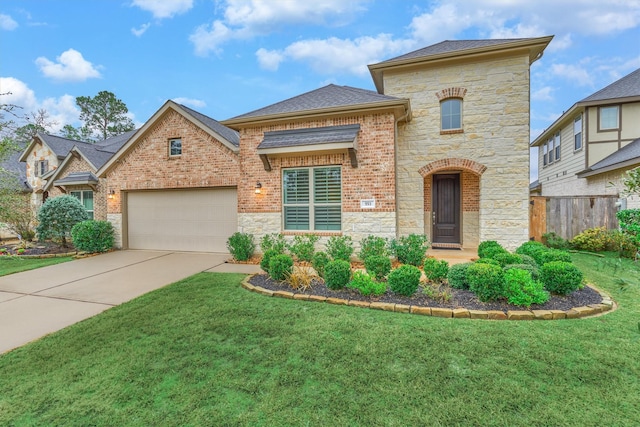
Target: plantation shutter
x,y
327,198
296,199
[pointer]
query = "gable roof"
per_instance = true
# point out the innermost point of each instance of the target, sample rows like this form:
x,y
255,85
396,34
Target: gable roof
x,y
626,87
328,99
59,146
627,156
452,50
228,137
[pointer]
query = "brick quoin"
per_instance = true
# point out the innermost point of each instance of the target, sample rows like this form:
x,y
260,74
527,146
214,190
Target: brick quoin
x,y
205,162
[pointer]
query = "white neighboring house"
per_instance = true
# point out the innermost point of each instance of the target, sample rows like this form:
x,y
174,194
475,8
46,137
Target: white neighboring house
x,y
588,149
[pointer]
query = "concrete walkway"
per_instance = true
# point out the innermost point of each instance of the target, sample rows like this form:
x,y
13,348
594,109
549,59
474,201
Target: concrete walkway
x,y
37,302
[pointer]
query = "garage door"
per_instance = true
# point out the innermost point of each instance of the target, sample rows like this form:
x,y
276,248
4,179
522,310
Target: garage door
x,y
182,220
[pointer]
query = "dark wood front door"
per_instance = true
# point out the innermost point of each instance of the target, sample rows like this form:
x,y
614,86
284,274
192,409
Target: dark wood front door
x,y
446,208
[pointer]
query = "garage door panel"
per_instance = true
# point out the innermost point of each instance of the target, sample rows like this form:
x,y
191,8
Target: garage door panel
x,y
184,220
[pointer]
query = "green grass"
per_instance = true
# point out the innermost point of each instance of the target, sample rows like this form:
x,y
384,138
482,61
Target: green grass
x,y
15,264
206,352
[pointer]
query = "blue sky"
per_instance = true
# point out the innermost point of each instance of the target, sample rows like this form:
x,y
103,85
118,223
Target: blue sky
x,y
228,57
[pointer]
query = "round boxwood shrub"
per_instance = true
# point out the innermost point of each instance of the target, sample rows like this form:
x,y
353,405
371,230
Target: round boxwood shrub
x,y
319,262
551,255
533,270
93,236
435,270
486,281
378,265
505,258
241,246
488,261
489,248
337,274
280,266
266,259
560,277
373,246
405,280
521,289
530,248
410,249
457,276
364,283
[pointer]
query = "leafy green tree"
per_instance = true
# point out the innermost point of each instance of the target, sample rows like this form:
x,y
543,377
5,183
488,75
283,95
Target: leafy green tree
x,y
57,216
82,133
631,182
104,116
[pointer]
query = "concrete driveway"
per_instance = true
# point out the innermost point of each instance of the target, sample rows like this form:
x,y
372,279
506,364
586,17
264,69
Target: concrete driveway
x,y
37,302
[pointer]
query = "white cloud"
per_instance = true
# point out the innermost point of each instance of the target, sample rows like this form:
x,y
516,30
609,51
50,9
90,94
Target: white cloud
x,y
196,103
575,73
543,94
62,110
71,66
7,23
164,8
269,59
247,18
140,31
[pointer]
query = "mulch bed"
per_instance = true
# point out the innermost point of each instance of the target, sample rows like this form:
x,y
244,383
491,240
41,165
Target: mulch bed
x,y
459,298
38,248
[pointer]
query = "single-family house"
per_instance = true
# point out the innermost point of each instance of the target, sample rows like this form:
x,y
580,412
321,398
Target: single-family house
x,y
440,148
586,151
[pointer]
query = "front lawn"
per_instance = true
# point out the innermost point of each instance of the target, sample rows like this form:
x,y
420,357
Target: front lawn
x,y
204,351
16,264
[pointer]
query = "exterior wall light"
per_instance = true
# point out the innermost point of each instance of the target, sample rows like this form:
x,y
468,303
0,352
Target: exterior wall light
x,y
258,188
112,193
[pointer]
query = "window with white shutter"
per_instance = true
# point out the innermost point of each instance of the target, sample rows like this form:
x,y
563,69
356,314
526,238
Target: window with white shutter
x,y
312,198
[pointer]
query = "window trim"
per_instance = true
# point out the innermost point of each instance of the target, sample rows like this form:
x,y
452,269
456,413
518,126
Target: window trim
x,y
460,129
81,198
545,157
558,145
311,204
171,140
617,126
551,150
576,119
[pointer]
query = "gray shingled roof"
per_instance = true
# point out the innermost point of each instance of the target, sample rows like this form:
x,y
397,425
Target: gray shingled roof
x,y
60,146
77,177
623,88
325,97
15,167
227,133
628,152
113,144
311,136
450,46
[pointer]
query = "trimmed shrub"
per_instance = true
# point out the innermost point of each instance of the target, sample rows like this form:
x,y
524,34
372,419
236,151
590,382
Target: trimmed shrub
x,y
337,274
527,259
533,270
266,259
303,246
364,283
405,280
340,247
241,246
486,281
93,236
435,270
554,241
561,277
410,249
488,261
457,276
373,246
521,289
505,258
530,248
57,216
275,241
551,255
280,266
319,262
378,265
591,239
489,248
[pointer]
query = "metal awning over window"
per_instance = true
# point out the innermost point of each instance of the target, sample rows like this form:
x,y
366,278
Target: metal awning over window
x,y
323,139
77,178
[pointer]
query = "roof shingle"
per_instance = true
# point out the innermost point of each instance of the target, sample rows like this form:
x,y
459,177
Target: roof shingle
x,y
625,87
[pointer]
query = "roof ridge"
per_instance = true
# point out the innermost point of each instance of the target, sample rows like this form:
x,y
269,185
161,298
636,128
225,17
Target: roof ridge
x,y
620,81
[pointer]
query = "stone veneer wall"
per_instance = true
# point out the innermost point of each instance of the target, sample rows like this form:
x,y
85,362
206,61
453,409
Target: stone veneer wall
x,y
496,135
39,152
205,163
374,178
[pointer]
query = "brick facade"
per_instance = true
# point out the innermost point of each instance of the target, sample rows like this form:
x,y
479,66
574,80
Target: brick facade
x,y
205,162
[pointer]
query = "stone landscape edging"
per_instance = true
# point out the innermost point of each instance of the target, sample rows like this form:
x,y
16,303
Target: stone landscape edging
x,y
606,306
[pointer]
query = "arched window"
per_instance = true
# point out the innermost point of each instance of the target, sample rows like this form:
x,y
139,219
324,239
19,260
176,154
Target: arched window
x,y
451,114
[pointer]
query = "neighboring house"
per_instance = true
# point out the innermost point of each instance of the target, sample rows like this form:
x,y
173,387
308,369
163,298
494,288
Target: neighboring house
x,y
586,151
440,149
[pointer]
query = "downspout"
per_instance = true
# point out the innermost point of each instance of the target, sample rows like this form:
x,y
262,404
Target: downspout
x,y
395,161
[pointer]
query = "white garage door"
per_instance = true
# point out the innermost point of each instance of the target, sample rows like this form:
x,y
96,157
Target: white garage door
x,y
182,220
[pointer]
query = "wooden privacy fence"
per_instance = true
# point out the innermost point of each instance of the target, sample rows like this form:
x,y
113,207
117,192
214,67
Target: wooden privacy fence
x,y
569,216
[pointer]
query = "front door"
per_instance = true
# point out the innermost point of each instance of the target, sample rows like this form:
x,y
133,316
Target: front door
x,y
446,208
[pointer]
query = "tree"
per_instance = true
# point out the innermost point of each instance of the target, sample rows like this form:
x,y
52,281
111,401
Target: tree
x,y
77,134
104,115
57,217
36,122
631,182
16,213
